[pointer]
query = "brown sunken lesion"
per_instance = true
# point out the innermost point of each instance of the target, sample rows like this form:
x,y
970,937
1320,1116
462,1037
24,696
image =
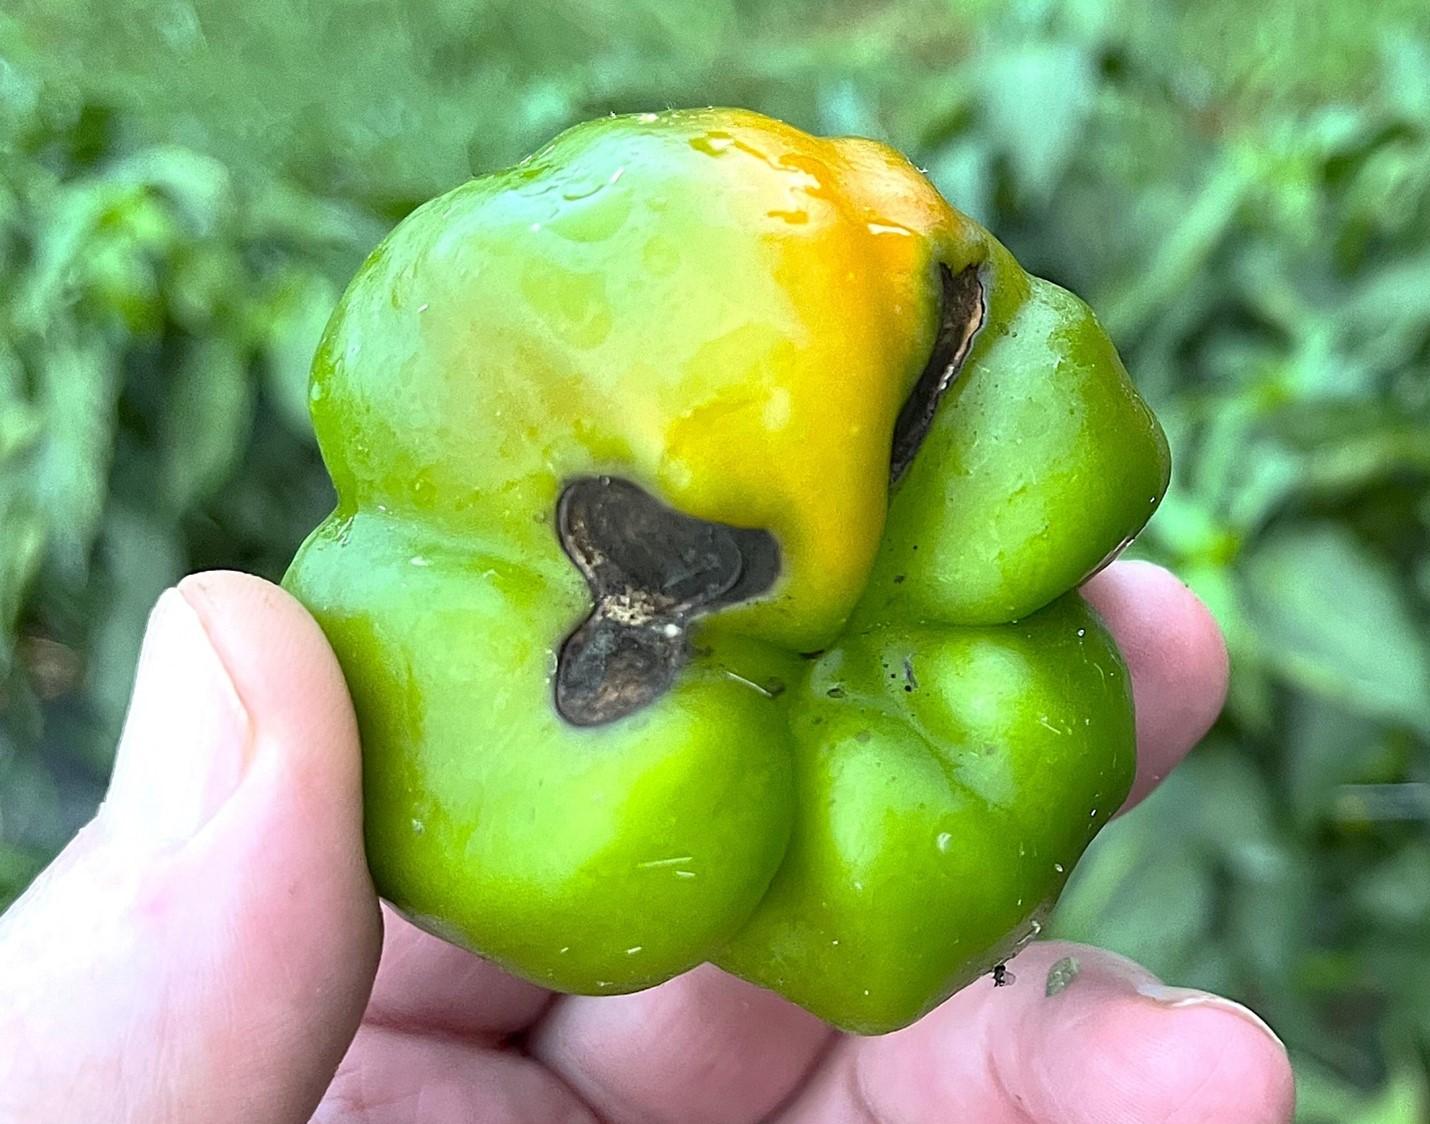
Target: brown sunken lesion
x,y
962,308
651,570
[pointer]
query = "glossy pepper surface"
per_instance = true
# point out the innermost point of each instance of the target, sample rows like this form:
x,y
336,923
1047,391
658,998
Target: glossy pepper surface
x,y
710,496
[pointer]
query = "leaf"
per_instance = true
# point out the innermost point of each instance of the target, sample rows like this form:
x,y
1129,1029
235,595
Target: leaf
x,y
1330,748
844,109
1146,886
204,281
281,213
1189,528
29,801
1333,619
197,186
1406,67
22,544
78,389
1269,480
1145,901
1325,1097
206,419
964,173
111,218
18,866
1404,1100
140,557
1184,250
1396,891
1388,318
297,315
1353,443
1035,101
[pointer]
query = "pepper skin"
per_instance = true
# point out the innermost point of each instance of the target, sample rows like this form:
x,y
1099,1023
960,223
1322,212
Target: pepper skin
x,y
709,499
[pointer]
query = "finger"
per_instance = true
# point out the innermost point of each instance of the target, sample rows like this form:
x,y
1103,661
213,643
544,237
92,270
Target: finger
x,y
1175,655
204,948
426,985
704,1047
392,1076
1081,1037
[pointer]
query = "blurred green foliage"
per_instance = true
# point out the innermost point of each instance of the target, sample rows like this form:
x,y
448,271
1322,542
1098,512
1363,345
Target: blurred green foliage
x,y
1243,193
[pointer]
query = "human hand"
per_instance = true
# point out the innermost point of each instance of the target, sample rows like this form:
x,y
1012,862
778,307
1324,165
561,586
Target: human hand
x,y
207,948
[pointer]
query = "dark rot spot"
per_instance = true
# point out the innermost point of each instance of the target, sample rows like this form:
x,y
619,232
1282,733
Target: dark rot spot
x,y
961,312
651,570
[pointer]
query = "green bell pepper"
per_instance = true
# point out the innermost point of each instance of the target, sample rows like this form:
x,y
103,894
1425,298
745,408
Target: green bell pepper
x,y
710,496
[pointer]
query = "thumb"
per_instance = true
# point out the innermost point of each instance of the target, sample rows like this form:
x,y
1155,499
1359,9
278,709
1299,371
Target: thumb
x,y
203,949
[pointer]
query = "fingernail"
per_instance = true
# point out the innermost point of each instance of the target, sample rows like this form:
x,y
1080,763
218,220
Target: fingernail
x,y
187,738
1191,997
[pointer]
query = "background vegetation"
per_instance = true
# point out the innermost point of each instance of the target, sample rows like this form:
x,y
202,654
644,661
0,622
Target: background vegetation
x,y
1243,191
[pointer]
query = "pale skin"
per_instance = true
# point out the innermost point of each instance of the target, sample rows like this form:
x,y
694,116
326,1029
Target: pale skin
x,y
210,946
